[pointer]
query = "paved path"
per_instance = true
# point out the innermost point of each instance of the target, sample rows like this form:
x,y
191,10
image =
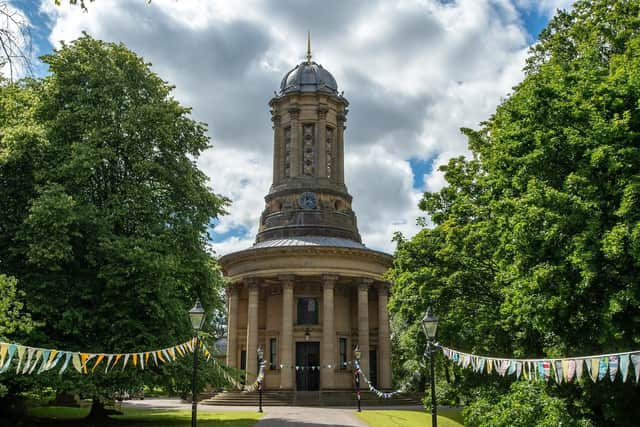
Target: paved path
x,y
287,416
297,416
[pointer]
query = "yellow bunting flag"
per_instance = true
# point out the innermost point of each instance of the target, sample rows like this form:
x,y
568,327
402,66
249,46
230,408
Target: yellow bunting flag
x,y
84,357
159,353
595,365
98,360
3,352
118,357
565,370
180,350
135,359
172,353
146,358
52,357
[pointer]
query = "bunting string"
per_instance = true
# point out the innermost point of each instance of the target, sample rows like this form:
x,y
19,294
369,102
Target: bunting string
x,y
27,358
562,370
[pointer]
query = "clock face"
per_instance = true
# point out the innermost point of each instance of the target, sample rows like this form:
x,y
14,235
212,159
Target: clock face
x,y
307,200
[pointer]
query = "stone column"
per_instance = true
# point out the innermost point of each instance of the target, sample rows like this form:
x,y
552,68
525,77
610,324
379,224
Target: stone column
x,y
252,329
328,352
232,325
384,340
321,144
363,323
296,143
340,149
278,149
286,335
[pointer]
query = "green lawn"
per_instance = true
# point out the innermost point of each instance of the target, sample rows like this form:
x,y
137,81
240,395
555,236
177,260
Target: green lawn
x,y
60,416
393,418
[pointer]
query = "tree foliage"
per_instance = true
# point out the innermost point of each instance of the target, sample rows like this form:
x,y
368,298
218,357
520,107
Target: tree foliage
x,y
534,248
104,212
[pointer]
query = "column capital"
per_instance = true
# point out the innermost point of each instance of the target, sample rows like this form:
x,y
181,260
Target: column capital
x,y
232,289
276,120
287,280
322,112
294,111
364,283
329,279
383,288
252,283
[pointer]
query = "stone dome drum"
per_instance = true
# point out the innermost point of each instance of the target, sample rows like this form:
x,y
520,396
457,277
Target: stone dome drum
x,y
308,76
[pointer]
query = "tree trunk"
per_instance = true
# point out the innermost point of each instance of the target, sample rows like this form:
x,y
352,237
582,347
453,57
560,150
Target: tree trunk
x,y
99,415
98,411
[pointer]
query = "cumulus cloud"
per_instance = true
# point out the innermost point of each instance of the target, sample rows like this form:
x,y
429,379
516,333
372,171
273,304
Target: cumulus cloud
x,y
414,71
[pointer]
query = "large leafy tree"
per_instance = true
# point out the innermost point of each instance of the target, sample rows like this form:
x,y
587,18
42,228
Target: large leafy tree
x,y
105,213
534,248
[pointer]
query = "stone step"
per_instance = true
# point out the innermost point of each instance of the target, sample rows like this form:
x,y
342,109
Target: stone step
x,y
322,398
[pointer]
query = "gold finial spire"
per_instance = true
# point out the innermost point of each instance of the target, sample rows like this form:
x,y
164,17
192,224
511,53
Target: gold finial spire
x,y
308,47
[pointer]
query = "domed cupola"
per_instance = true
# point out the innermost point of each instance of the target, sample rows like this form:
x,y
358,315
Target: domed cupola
x,y
308,76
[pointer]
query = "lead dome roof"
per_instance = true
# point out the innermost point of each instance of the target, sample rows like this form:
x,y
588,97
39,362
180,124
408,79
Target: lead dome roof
x,y
308,76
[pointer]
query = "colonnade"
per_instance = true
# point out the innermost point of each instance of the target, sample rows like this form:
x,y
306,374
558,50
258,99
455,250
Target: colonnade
x,y
328,349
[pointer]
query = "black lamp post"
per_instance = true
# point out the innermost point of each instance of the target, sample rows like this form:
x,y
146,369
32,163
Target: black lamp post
x,y
356,375
260,359
430,325
197,315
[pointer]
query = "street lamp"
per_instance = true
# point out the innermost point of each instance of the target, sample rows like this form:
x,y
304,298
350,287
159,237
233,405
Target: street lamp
x,y
260,358
196,315
356,375
430,325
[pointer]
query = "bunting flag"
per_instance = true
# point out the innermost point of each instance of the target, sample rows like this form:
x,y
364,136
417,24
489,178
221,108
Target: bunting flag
x,y
635,359
389,394
624,366
564,369
66,362
613,367
29,360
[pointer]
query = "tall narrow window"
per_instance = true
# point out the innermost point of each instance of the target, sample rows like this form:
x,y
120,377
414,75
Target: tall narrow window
x,y
307,311
329,151
308,155
343,353
272,353
287,152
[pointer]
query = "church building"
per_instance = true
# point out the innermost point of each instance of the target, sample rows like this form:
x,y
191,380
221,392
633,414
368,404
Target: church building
x,y
308,291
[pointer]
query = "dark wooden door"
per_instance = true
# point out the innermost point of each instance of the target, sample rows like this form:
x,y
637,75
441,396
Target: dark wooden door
x,y
373,367
307,366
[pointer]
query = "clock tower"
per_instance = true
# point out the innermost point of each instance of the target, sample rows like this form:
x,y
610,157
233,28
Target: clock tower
x,y
308,291
308,196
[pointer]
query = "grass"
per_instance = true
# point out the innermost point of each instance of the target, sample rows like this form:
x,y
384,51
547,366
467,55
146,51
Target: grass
x,y
400,418
64,417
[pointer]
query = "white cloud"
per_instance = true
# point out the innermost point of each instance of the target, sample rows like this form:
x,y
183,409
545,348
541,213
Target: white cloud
x,y
415,71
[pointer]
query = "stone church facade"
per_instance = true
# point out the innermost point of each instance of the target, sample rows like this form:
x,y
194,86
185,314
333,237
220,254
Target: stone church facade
x,y
308,291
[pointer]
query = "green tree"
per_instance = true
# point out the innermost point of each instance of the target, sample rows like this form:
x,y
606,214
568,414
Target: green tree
x,y
534,248
12,316
106,219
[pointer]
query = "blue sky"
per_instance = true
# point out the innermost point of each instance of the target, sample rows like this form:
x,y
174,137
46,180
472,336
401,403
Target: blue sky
x,y
414,72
